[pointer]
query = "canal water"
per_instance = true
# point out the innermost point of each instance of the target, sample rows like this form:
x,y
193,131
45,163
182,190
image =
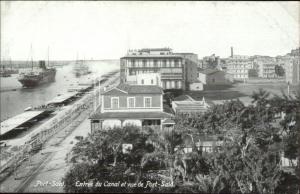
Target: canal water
x,y
14,99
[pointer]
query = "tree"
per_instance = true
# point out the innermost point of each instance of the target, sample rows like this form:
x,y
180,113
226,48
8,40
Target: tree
x,y
99,157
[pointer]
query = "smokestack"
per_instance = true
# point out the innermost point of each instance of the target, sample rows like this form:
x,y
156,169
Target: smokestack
x,y
231,51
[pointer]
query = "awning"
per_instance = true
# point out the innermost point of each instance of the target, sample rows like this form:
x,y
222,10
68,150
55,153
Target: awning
x,y
131,115
17,120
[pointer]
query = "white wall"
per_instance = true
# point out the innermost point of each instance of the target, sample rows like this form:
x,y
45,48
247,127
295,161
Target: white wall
x,y
110,123
147,79
196,86
202,77
132,122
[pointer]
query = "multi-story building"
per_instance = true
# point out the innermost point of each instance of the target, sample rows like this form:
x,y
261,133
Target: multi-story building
x,y
267,70
190,64
144,79
140,105
238,66
292,71
170,66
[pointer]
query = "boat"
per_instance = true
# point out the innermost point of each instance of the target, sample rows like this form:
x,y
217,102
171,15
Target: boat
x,y
80,69
5,72
37,77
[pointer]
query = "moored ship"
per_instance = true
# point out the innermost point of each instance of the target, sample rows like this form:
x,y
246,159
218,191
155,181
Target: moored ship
x,y
81,69
37,77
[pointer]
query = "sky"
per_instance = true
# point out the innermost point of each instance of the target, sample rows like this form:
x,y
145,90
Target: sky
x,y
107,29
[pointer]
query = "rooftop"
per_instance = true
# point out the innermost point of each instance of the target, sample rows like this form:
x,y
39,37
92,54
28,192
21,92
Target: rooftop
x,y
183,53
61,98
17,120
154,49
140,89
131,115
152,56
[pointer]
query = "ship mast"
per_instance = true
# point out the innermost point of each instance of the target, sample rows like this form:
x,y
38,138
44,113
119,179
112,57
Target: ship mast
x,y
10,63
48,57
31,58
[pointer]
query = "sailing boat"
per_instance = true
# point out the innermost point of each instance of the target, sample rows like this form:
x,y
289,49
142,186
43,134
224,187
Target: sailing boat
x,y
37,77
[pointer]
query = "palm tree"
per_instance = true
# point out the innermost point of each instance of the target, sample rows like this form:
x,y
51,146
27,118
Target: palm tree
x,y
260,97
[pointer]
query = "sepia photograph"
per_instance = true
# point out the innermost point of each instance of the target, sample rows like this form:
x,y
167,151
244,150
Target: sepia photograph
x,y
150,97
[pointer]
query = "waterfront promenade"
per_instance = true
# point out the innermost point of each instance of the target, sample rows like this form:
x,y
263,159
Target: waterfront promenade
x,y
49,163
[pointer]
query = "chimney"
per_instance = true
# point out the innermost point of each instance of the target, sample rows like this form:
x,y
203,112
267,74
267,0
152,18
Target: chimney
x,y
231,51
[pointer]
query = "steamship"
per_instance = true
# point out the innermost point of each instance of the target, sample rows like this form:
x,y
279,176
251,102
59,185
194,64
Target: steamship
x,y
37,77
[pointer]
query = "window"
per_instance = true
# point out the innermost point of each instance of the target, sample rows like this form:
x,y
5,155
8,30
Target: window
x,y
155,63
131,102
147,101
151,81
144,63
142,81
164,63
176,63
114,102
164,84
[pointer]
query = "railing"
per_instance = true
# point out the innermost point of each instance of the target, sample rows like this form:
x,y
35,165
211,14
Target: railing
x,y
180,77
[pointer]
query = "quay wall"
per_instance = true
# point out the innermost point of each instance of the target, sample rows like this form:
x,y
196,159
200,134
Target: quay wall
x,y
64,118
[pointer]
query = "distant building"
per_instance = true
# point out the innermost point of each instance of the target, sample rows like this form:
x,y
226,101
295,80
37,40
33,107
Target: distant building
x,y
264,66
176,70
214,77
292,71
211,62
190,67
238,66
140,105
267,70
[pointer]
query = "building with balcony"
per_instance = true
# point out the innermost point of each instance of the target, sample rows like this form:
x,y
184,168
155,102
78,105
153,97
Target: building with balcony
x,y
144,79
267,70
140,105
170,66
190,64
238,66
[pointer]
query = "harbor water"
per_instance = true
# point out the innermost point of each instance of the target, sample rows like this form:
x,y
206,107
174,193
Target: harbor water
x,y
15,98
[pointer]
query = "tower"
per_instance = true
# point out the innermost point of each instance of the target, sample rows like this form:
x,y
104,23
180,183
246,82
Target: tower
x,y
231,51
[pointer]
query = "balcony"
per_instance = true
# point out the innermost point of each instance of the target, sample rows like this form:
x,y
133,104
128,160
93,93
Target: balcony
x,y
171,76
171,73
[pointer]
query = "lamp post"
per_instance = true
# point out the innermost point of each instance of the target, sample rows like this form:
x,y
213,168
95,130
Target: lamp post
x,y
95,93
